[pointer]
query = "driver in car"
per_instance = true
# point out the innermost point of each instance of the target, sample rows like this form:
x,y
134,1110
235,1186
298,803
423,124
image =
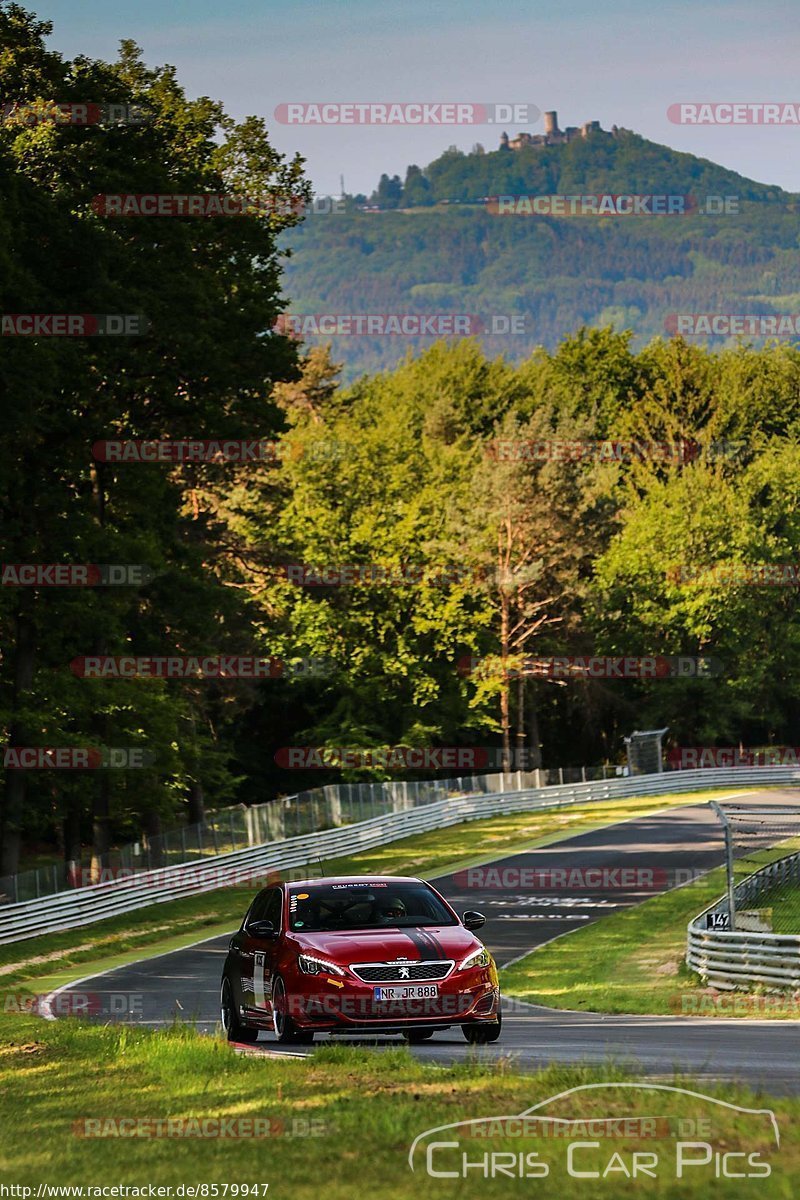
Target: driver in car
x,y
393,909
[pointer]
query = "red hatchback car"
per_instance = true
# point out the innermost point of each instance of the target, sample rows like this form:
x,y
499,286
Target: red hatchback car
x,y
358,955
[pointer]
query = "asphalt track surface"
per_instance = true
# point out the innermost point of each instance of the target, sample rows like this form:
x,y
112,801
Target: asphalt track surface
x,y
576,881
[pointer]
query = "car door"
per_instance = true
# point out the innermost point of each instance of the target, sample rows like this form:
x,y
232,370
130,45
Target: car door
x,y
257,955
241,950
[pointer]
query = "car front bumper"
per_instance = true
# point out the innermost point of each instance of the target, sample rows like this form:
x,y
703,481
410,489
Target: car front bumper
x,y
327,1004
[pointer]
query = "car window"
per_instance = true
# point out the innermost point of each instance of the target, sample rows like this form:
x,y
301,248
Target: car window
x,y
365,906
274,905
258,908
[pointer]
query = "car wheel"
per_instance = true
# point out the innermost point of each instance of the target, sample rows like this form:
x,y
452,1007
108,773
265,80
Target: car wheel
x,y
487,1031
234,1030
417,1035
285,1028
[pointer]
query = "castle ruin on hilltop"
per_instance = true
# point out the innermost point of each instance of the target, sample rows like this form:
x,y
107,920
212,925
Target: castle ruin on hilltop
x,y
553,136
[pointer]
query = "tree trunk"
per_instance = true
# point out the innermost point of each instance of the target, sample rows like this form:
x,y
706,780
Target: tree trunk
x,y
72,841
534,743
16,782
521,763
72,829
101,796
101,821
152,839
505,715
505,634
197,811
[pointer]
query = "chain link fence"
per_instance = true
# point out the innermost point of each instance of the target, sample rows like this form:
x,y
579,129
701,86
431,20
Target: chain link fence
x,y
763,868
307,812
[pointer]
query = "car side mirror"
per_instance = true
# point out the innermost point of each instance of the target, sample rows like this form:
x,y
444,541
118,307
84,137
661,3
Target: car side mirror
x,y
473,920
262,929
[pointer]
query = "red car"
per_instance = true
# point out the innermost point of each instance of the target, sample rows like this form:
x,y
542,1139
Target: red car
x,y
358,955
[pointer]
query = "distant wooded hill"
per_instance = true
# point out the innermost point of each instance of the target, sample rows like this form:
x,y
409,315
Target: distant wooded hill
x,y
431,244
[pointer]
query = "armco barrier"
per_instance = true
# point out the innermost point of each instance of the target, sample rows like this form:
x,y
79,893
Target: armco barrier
x,y
84,906
730,959
241,826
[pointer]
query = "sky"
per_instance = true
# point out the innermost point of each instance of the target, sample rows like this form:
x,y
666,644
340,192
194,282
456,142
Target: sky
x,y
621,62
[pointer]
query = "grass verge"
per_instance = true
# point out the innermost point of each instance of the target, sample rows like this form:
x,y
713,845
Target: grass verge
x,y
785,904
342,1121
633,962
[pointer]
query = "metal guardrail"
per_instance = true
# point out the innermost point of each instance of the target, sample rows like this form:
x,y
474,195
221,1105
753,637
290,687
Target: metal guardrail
x,y
730,959
241,826
86,905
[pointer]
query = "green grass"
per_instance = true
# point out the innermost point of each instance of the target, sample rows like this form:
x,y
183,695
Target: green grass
x,y
53,959
362,1109
633,962
785,904
783,900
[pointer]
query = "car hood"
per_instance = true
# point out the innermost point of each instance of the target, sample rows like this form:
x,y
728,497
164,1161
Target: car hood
x,y
386,945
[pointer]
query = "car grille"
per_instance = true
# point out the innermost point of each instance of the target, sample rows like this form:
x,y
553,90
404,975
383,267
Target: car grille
x,y
412,972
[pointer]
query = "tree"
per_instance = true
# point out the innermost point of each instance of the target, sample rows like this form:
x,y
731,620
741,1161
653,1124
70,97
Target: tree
x,y
210,290
389,193
416,189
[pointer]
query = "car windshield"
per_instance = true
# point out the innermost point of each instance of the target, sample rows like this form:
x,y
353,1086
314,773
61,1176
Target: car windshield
x,y
339,906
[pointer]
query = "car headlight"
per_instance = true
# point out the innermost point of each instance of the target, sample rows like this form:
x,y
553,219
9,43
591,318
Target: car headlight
x,y
310,965
479,958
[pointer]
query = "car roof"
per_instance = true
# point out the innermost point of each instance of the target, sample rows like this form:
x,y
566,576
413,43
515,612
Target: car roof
x,y
364,879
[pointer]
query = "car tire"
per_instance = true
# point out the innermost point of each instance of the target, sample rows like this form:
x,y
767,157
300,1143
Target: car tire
x,y
234,1030
286,1031
417,1035
480,1033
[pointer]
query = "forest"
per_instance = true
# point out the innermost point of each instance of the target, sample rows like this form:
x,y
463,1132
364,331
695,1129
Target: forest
x,y
399,551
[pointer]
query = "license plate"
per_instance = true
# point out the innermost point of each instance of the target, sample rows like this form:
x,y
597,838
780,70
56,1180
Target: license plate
x,y
428,991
